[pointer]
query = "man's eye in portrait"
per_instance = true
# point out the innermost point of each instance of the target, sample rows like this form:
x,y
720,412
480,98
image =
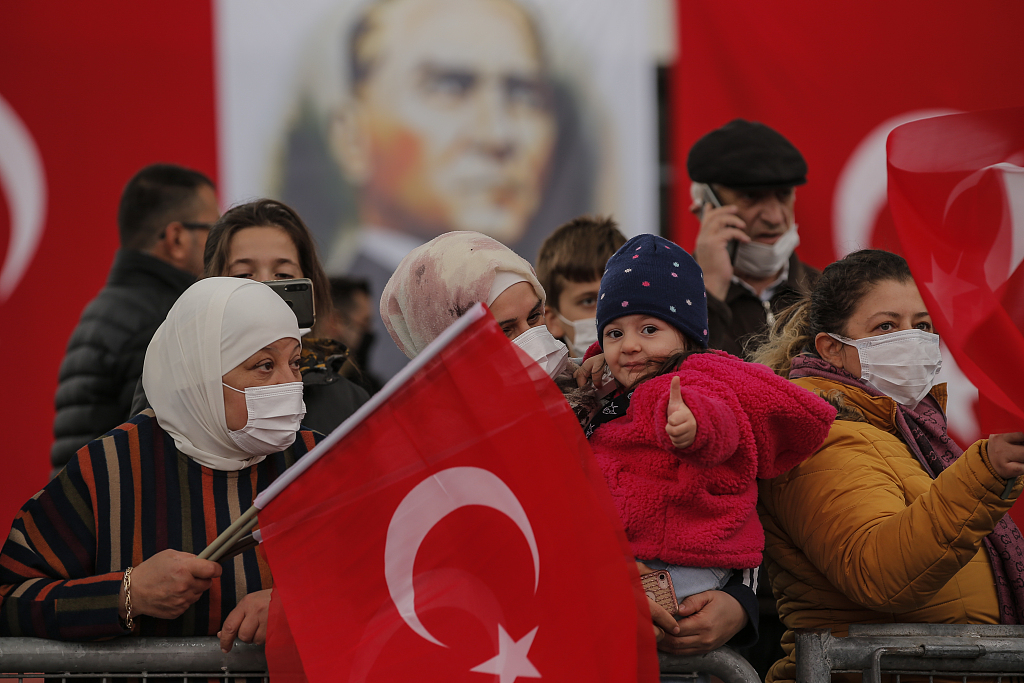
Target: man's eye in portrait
x,y
449,84
529,92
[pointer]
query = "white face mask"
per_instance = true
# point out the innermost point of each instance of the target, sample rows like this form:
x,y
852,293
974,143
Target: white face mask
x,y
275,413
584,333
551,354
764,260
902,365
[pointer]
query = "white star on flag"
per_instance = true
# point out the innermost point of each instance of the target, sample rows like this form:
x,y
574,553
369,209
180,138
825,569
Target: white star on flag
x,y
947,286
510,663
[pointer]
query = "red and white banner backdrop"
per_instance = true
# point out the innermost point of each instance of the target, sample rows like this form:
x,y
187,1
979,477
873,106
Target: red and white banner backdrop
x,y
835,79
88,95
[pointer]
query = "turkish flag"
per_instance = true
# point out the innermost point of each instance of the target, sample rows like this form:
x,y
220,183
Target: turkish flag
x,y
282,654
457,529
835,78
89,94
956,188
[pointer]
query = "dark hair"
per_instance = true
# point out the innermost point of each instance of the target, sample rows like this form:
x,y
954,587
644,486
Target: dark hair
x,y
835,296
261,213
343,290
576,252
154,197
359,63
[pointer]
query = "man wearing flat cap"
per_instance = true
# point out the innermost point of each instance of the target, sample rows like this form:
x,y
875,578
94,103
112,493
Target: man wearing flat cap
x,y
744,178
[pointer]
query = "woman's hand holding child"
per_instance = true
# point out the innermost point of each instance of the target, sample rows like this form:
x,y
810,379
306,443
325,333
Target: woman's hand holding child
x,y
681,425
591,371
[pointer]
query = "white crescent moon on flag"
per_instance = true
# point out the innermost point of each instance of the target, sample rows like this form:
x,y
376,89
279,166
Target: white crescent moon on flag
x,y
862,187
424,506
1012,177
24,186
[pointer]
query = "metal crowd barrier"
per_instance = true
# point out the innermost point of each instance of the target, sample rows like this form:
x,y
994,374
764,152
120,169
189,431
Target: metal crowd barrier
x,y
178,659
190,659
946,651
724,663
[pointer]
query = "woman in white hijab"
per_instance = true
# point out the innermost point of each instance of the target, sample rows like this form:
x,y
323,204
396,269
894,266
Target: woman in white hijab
x,y
112,539
200,379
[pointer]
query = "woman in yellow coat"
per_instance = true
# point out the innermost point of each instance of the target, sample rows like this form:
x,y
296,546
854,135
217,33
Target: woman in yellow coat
x,y
890,521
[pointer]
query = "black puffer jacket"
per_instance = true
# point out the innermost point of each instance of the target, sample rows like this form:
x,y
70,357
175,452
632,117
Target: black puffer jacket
x,y
104,357
330,398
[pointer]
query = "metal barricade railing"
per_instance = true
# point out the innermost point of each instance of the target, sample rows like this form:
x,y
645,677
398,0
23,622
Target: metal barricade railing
x,y
176,659
190,659
725,663
946,651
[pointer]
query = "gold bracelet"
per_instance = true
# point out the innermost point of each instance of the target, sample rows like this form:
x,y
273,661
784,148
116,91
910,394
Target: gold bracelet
x,y
129,623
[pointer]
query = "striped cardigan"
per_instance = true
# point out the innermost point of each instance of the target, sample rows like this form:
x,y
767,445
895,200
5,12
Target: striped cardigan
x,y
123,498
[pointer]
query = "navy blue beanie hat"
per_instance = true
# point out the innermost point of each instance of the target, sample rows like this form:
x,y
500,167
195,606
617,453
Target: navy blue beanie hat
x,y
653,276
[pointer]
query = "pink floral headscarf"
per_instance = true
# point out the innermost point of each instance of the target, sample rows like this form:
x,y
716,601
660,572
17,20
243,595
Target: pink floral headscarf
x,y
439,281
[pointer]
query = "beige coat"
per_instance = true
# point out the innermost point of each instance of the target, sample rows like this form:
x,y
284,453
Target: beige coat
x,y
860,533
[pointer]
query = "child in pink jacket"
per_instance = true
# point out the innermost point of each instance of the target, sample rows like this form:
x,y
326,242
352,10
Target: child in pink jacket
x,y
682,443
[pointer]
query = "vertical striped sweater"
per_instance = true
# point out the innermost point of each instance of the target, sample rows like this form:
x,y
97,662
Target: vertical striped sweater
x,y
123,498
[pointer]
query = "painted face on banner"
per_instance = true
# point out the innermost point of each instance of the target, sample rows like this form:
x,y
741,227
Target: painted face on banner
x,y
452,127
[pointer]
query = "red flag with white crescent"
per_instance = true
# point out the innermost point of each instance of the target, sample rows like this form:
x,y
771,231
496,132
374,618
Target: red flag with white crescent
x,y
956,188
836,95
457,529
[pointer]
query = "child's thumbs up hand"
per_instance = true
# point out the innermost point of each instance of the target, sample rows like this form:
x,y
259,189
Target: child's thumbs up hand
x,y
681,425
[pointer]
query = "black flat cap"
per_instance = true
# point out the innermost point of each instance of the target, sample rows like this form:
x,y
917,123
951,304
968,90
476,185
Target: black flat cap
x,y
746,155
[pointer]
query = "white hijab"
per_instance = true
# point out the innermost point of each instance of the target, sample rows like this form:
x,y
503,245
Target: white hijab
x,y
214,326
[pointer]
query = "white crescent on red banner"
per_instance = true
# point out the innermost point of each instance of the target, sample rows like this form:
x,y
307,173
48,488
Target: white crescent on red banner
x,y
23,182
836,95
861,193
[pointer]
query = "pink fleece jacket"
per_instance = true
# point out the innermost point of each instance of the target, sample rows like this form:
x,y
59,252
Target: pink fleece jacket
x,y
695,506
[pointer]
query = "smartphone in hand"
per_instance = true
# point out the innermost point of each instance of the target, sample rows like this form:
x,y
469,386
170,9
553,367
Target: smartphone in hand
x,y
658,587
298,294
711,198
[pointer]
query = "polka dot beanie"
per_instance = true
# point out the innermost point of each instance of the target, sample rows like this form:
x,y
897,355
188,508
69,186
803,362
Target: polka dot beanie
x,y
656,277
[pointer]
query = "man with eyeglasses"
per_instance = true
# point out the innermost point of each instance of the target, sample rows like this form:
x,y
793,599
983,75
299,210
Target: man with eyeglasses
x,y
164,216
744,178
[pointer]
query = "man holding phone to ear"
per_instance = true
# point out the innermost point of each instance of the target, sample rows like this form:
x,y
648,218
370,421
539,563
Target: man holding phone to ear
x,y
744,178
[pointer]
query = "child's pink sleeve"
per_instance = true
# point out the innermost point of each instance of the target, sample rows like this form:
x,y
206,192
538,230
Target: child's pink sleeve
x,y
786,423
792,430
738,406
714,407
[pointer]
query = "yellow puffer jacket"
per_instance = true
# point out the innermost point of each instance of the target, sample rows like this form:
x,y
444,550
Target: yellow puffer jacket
x,y
860,533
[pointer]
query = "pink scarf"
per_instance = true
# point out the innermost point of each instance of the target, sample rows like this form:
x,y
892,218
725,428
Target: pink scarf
x,y
924,431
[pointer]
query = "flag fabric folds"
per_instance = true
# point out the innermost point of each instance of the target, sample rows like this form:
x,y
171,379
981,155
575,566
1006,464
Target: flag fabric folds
x,y
956,189
456,528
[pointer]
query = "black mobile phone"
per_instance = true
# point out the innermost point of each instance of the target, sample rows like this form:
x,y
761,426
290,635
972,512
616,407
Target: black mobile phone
x,y
711,198
298,294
